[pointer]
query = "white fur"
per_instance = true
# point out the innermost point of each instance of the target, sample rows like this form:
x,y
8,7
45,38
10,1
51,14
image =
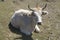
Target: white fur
x,y
27,24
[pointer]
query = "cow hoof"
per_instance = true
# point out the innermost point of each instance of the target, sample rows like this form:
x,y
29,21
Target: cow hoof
x,y
37,31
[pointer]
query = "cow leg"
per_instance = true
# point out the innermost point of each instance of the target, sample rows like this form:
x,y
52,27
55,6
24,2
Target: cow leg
x,y
37,30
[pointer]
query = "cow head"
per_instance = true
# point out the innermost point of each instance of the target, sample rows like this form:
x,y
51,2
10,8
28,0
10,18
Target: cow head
x,y
37,12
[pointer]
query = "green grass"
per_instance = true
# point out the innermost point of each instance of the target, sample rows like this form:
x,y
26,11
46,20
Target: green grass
x,y
50,28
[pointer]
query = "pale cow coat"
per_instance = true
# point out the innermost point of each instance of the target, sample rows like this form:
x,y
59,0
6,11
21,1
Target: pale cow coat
x,y
22,19
27,22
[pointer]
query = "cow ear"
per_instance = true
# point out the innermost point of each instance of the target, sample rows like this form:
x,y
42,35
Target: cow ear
x,y
44,12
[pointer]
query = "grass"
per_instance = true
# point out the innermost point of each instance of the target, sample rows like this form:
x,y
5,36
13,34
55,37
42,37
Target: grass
x,y
50,28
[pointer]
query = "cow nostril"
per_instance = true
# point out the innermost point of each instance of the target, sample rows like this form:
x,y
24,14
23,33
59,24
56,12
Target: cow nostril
x,y
39,23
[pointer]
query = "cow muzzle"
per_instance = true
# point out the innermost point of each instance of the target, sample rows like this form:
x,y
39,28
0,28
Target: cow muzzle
x,y
39,23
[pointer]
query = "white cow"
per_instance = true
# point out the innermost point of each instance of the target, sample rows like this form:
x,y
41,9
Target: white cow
x,y
27,20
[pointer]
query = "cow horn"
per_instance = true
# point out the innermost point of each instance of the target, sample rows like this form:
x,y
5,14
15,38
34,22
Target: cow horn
x,y
30,8
44,7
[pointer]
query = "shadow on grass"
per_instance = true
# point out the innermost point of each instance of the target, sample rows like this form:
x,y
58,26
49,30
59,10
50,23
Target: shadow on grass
x,y
17,31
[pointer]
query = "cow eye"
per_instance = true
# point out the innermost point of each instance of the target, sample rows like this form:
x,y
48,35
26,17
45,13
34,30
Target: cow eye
x,y
33,13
